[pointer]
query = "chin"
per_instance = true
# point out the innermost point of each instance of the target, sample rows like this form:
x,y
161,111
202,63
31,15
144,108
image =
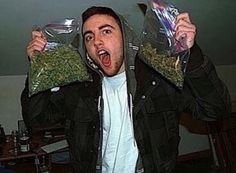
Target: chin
x,y
110,73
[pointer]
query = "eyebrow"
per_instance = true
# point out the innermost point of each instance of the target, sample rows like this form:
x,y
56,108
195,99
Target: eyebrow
x,y
100,27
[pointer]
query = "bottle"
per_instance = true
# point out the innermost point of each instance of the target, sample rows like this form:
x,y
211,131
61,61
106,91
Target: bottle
x,y
2,135
14,136
44,167
24,141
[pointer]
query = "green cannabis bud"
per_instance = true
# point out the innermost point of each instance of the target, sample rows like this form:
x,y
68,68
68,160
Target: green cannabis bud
x,y
167,66
56,67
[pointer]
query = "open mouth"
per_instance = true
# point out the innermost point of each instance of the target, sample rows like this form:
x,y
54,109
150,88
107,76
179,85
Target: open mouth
x,y
105,58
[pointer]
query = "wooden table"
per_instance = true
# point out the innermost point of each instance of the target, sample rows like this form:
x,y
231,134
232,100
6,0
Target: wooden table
x,y
8,154
36,142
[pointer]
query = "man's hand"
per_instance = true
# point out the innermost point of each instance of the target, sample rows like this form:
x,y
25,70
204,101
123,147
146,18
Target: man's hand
x,y
37,43
185,30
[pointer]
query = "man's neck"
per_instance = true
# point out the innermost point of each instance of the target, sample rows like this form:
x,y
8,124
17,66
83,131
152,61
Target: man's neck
x,y
122,68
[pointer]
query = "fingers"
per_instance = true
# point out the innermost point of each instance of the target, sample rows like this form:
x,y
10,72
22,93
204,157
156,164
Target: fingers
x,y
35,34
37,43
185,30
183,16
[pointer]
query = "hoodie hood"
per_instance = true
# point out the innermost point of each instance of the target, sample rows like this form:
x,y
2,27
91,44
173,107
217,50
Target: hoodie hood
x,y
131,47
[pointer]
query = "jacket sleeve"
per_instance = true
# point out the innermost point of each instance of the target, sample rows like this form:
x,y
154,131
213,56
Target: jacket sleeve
x,y
206,97
43,110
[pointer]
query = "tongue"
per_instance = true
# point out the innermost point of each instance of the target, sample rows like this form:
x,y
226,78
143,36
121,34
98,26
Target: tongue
x,y
106,60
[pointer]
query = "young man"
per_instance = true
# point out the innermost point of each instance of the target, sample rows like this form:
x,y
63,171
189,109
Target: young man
x,y
126,120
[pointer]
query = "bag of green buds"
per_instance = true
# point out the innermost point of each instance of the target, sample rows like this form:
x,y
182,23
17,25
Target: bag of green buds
x,y
59,63
159,48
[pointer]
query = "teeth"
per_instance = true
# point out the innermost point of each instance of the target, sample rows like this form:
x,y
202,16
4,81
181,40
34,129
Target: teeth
x,y
101,52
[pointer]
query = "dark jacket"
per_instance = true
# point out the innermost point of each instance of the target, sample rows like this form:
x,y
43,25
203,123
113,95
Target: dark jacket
x,y
155,102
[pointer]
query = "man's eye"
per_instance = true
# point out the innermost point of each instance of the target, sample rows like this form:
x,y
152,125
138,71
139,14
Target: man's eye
x,y
106,31
88,38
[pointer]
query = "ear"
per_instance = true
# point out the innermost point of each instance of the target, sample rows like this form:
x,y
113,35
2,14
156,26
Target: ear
x,y
143,7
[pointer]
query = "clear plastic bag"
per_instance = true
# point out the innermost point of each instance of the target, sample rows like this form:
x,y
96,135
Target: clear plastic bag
x,y
159,48
60,63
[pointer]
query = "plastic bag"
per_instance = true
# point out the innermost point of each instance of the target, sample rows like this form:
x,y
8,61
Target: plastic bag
x,y
159,48
60,63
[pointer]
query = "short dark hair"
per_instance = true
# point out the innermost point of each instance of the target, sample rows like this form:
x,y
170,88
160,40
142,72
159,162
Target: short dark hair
x,y
100,10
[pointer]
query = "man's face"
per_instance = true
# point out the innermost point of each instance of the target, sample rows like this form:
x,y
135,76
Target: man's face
x,y
104,43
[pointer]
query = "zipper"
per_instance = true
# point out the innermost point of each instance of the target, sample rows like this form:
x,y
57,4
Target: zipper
x,y
131,117
100,111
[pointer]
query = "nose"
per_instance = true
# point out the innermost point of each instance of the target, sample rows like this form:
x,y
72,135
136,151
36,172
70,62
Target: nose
x,y
97,40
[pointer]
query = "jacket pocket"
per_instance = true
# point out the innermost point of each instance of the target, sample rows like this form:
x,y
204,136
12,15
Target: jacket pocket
x,y
162,120
164,133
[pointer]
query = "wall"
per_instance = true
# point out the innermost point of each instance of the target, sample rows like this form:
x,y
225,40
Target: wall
x,y
10,89
215,27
